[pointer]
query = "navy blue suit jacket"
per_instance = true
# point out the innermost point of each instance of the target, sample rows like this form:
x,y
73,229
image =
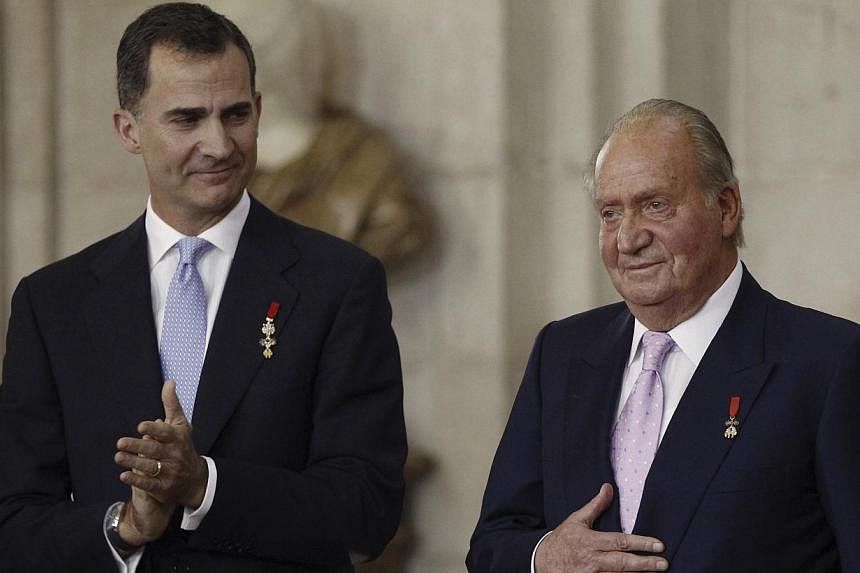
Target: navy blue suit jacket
x,y
309,444
784,495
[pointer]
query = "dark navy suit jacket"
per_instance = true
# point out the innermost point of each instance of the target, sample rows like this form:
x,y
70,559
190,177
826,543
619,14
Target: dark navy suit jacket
x,y
784,495
309,444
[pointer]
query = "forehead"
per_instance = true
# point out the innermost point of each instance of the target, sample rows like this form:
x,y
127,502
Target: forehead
x,y
180,75
655,154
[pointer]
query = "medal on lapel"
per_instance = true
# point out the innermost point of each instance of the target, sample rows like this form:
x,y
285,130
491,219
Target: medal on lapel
x,y
268,341
732,422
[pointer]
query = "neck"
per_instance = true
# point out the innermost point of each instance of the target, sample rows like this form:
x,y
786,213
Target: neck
x,y
191,222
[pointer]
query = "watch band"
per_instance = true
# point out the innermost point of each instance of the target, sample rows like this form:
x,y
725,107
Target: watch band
x,y
112,519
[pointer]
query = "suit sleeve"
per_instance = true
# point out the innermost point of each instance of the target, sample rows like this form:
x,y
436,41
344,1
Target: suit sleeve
x,y
512,517
41,528
348,499
838,457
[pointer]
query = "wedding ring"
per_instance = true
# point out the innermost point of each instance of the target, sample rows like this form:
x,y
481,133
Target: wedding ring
x,y
157,469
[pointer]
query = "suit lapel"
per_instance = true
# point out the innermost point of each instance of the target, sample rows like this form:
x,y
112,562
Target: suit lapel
x,y
592,399
234,354
119,319
694,447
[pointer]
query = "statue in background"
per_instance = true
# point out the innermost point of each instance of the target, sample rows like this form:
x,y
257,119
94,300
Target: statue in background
x,y
347,183
328,169
324,168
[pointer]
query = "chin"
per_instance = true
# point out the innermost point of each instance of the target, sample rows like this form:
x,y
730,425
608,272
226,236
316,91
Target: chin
x,y
642,295
218,194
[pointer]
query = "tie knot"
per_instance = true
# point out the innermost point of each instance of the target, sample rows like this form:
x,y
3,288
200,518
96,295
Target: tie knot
x,y
655,347
190,249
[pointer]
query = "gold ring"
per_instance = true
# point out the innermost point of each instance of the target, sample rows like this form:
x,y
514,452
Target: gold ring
x,y
157,469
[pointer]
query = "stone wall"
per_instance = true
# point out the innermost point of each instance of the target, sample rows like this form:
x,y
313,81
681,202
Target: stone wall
x,y
495,106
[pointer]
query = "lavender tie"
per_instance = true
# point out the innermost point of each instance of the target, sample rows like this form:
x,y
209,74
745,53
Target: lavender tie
x,y
183,336
637,431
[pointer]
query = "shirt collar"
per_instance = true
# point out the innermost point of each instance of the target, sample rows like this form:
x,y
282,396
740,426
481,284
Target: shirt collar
x,y
224,235
694,335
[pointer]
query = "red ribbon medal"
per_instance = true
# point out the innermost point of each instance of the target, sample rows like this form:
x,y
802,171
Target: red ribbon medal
x,y
732,423
268,341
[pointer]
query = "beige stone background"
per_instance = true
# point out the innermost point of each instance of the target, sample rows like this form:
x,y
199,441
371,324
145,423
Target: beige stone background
x,y
494,106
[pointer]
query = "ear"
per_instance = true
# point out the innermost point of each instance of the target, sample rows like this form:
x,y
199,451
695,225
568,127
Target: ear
x,y
731,207
127,128
258,107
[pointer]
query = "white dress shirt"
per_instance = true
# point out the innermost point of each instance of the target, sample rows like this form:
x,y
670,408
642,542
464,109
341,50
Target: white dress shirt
x,y
213,266
692,338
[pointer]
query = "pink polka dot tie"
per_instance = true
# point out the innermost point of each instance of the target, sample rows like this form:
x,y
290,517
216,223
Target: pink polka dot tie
x,y
183,335
637,431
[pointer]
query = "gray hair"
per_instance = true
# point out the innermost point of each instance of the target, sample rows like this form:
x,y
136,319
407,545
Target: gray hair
x,y
716,168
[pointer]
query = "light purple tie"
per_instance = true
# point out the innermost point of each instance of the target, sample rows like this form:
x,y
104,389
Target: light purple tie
x,y
183,335
637,431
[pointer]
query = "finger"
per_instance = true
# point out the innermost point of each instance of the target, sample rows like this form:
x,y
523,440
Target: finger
x,y
172,408
143,482
589,512
629,562
139,446
157,430
625,543
133,462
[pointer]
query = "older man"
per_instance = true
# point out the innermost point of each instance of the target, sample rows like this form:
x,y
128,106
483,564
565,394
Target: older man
x,y
275,341
701,424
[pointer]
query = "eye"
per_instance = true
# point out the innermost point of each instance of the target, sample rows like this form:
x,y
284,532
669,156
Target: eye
x,y
185,120
239,115
609,215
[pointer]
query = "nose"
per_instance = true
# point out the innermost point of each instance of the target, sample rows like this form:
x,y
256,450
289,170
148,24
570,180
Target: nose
x,y
632,235
215,141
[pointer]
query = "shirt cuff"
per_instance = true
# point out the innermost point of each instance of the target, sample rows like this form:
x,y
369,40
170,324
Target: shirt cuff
x,y
127,565
191,519
534,552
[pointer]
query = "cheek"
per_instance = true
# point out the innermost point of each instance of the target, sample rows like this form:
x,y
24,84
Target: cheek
x,y
247,144
691,247
607,245
171,154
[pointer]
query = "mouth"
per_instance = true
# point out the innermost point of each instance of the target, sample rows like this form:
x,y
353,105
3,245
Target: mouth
x,y
215,176
640,266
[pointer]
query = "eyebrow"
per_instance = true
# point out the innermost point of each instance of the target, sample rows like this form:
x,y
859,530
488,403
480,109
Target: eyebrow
x,y
241,106
185,112
636,196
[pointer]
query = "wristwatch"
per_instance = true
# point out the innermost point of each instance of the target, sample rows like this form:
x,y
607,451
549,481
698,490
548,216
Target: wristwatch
x,y
114,514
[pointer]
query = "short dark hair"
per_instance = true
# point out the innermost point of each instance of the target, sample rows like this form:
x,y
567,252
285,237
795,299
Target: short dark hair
x,y
187,27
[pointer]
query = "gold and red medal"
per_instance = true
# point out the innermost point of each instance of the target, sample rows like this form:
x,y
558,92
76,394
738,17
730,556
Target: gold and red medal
x,y
732,423
268,330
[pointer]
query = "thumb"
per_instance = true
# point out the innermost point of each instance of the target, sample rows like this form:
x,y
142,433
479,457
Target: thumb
x,y
173,413
589,512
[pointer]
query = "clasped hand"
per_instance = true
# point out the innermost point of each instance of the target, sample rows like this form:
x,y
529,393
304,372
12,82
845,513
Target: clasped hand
x,y
163,470
574,547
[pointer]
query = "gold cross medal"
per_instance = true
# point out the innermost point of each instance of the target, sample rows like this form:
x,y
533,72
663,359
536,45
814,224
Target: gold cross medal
x,y
268,329
732,423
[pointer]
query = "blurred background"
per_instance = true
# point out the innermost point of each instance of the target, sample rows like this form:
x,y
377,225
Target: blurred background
x,y
487,113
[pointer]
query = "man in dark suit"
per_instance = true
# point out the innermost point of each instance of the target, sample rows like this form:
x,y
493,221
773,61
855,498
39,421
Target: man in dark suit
x,y
294,461
732,444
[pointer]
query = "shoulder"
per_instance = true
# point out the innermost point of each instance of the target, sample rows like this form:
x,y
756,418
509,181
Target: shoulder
x,y
589,324
807,330
309,253
78,270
